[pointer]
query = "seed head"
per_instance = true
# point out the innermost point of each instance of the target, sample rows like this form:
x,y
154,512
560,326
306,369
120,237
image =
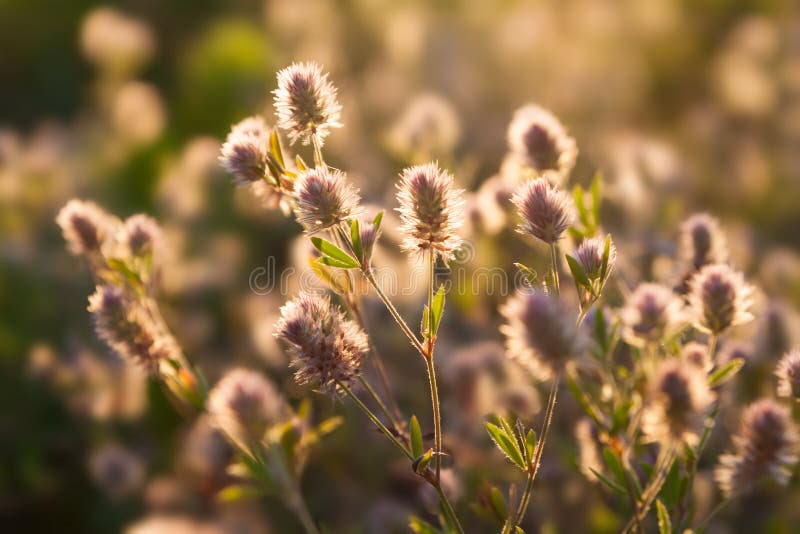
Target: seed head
x,y
305,103
127,329
324,199
589,255
326,347
431,210
540,332
545,211
678,398
245,151
719,298
243,405
696,355
85,226
788,373
538,140
141,235
765,448
702,241
651,312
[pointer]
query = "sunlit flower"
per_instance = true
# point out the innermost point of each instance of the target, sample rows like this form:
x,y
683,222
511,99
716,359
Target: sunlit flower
x,y
652,311
326,347
540,332
719,298
545,211
243,405
697,355
141,235
677,400
85,226
788,373
116,470
324,199
589,255
539,140
765,448
245,151
428,127
431,211
702,242
305,103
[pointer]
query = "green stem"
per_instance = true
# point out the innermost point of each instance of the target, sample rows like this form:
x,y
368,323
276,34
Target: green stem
x,y
437,418
318,160
554,267
294,499
663,464
375,397
393,312
448,509
701,526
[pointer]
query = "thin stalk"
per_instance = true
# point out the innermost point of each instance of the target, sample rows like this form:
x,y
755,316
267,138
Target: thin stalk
x,y
533,469
554,266
393,312
664,462
632,497
318,160
437,416
701,526
376,421
294,500
375,397
448,509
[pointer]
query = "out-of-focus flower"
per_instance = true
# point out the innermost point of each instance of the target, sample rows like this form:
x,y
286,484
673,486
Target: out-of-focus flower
x,y
538,140
141,235
702,242
368,235
431,211
652,311
138,113
116,470
678,398
719,298
324,199
697,355
116,41
545,211
326,347
305,103
243,405
589,255
765,448
788,373
205,452
128,330
245,151
540,332
429,127
85,226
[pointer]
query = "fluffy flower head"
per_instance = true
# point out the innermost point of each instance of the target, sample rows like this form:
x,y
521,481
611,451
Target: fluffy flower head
x,y
305,103
244,153
589,255
719,298
545,211
788,373
141,235
324,199
537,139
85,226
702,242
651,312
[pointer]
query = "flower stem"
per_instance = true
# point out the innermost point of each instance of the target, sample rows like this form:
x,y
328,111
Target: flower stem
x,y
448,509
375,397
663,464
437,416
318,160
294,500
554,267
394,313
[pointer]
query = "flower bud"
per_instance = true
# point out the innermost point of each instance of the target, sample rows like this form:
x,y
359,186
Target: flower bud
x,y
545,211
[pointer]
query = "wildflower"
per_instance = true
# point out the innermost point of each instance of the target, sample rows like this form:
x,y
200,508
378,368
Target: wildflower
x,y
243,405
719,298
696,355
678,398
589,255
702,242
651,312
765,448
85,226
540,332
788,373
324,199
245,151
141,235
326,347
305,103
545,211
128,330
429,126
538,140
431,210
116,470
368,235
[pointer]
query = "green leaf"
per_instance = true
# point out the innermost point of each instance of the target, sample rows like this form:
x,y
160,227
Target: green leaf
x,y
596,182
604,265
332,251
329,425
437,310
416,437
611,484
530,275
301,165
614,465
507,444
720,376
275,170
238,492
422,462
355,237
275,148
581,279
120,266
530,442
424,327
376,222
583,399
498,502
420,526
664,523
331,262
583,215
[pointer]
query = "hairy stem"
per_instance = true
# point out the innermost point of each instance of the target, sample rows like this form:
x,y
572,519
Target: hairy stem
x,y
554,267
375,397
394,313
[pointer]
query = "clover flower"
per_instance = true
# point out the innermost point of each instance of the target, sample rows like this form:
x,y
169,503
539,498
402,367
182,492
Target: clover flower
x,y
324,199
545,211
696,354
245,151
589,255
305,103
243,405
788,373
719,298
540,332
85,226
702,242
765,448
651,312
326,347
141,235
537,139
677,400
431,211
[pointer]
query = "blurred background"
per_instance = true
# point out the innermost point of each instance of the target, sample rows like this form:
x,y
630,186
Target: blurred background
x,y
683,105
